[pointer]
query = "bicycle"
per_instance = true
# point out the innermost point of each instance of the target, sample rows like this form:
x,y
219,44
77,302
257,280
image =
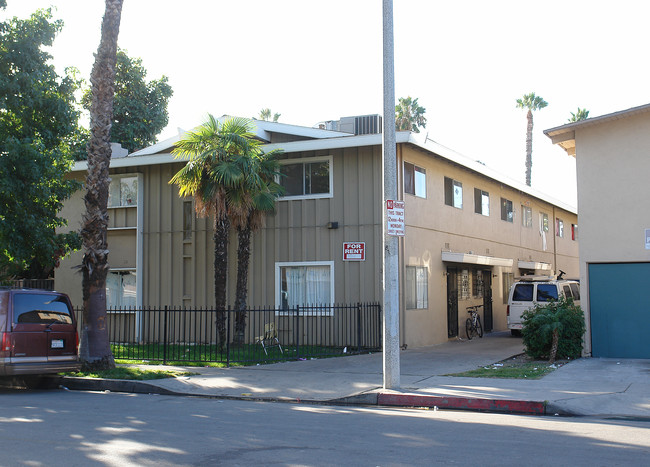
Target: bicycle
x,y
473,323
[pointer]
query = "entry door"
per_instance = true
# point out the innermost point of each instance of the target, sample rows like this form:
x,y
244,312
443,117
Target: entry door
x,y
452,302
487,301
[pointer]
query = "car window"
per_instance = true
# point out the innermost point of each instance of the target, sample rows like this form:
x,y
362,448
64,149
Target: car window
x,y
523,293
546,292
41,308
567,291
575,288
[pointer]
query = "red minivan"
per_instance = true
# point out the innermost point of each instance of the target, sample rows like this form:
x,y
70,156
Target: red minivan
x,y
38,331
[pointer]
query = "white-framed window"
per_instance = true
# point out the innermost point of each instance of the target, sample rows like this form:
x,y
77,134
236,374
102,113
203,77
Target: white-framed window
x,y
481,202
416,284
463,285
526,216
123,191
309,283
507,211
306,178
453,193
415,180
543,222
559,228
121,288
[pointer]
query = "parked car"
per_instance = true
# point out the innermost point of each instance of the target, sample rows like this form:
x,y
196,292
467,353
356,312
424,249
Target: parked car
x,y
529,291
38,331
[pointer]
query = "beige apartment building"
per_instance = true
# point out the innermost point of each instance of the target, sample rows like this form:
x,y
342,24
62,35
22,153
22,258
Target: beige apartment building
x,y
469,232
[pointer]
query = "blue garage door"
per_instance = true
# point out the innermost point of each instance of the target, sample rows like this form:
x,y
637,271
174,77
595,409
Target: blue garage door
x,y
619,298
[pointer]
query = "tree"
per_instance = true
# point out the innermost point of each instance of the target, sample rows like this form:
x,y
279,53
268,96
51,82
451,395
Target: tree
x,y
140,107
409,115
581,114
95,347
265,114
531,102
37,119
206,149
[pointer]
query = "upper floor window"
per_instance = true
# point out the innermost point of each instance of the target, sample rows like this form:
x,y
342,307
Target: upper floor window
x,y
574,231
543,222
188,216
526,216
307,178
559,228
481,202
415,180
123,191
507,212
453,193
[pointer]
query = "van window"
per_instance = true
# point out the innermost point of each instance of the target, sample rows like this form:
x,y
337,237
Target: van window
x,y
575,288
523,293
41,308
546,292
567,291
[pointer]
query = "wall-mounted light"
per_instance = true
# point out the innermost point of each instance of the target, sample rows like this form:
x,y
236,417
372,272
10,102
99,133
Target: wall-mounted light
x,y
332,225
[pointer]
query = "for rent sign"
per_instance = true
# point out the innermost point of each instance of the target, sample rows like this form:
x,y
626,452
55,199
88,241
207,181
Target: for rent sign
x,y
395,217
354,251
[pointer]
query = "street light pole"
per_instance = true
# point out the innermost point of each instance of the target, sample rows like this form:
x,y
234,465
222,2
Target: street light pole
x,y
391,263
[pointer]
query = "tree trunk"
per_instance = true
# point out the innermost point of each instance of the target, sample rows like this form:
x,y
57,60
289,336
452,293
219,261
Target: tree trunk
x,y
95,346
221,232
243,259
556,339
529,147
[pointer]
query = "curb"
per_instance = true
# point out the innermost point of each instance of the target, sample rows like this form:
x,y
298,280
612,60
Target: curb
x,y
463,403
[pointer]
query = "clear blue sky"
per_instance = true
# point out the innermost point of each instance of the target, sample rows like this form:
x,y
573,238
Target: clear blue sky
x,y
466,61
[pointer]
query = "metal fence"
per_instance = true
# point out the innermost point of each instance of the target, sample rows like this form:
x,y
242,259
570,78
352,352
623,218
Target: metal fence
x,y
44,284
200,335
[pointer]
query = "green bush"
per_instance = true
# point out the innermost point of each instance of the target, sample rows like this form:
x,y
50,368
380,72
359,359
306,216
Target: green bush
x,y
540,322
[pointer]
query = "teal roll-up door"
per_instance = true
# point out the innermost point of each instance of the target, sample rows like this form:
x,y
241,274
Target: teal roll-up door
x,y
619,301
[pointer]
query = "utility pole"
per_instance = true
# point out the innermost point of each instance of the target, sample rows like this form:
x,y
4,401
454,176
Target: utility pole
x,y
391,258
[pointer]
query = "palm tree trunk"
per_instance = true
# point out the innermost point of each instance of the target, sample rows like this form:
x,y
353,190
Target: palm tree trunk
x,y
554,344
243,260
529,147
95,346
221,232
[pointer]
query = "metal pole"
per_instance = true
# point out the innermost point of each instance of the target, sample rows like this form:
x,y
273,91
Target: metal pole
x,y
391,263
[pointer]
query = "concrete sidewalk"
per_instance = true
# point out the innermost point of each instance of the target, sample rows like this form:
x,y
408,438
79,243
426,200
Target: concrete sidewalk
x,y
593,387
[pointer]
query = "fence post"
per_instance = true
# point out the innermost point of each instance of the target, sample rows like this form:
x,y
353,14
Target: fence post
x,y
228,337
165,337
358,327
296,331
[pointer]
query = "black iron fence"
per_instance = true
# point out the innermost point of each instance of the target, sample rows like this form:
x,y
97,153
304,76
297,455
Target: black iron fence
x,y
200,335
44,284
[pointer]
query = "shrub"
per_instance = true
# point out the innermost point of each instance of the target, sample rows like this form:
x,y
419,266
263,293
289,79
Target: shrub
x,y
562,316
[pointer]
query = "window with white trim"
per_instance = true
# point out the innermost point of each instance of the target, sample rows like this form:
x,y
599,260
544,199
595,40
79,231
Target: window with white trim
x,y
559,228
304,284
507,211
453,193
526,216
121,289
543,222
123,191
415,180
416,284
306,178
481,202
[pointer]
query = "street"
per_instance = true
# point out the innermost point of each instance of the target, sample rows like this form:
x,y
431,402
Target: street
x,y
61,427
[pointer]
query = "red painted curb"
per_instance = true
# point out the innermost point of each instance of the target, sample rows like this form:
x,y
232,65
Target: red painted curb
x,y
462,403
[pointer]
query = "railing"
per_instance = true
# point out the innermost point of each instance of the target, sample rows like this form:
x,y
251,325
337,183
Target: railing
x,y
45,284
200,335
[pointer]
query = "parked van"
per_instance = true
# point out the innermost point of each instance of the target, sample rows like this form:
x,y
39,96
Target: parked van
x,y
532,290
38,332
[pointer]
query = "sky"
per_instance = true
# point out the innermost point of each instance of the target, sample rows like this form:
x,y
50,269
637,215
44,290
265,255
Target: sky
x,y
467,62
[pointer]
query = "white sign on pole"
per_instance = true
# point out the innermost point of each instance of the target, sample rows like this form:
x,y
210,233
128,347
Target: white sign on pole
x,y
354,251
395,218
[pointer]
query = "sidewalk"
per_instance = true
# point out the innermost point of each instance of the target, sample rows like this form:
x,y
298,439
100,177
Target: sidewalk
x,y
591,387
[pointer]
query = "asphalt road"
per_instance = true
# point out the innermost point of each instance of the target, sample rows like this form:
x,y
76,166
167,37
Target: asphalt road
x,y
59,427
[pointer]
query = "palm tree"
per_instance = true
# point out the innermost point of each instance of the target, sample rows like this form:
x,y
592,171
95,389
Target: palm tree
x,y
265,114
409,115
206,149
95,346
581,114
530,102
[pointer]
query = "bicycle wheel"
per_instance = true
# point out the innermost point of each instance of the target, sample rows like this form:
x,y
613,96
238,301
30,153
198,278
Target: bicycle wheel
x,y
479,327
468,328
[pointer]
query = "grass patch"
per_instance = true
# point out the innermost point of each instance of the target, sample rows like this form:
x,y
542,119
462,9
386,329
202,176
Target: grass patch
x,y
517,367
131,373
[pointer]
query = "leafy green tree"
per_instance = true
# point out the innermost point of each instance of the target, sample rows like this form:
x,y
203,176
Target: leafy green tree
x,y
38,118
140,106
530,102
581,114
95,349
265,114
409,115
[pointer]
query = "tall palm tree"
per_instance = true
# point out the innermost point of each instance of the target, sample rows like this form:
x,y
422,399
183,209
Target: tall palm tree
x,y
265,114
581,114
95,346
409,115
532,103
206,149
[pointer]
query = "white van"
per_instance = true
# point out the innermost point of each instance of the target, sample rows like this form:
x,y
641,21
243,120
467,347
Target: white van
x,y
532,290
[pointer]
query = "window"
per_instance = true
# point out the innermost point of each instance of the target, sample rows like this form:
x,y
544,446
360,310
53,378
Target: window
x,y
559,228
523,293
307,178
416,285
453,193
508,279
121,289
305,284
463,285
123,191
543,222
188,216
575,288
507,213
477,283
574,231
481,202
41,309
415,180
526,216
546,292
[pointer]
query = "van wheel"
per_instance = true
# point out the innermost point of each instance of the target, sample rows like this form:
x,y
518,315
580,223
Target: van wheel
x,y
515,332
